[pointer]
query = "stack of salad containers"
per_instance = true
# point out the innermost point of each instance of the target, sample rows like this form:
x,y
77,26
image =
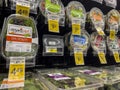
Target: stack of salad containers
x,y
62,79
31,82
110,79
19,38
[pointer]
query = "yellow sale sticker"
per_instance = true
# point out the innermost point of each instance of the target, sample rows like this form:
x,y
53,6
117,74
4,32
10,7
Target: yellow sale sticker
x,y
52,50
22,9
100,31
76,29
116,57
102,58
53,26
79,58
112,34
16,72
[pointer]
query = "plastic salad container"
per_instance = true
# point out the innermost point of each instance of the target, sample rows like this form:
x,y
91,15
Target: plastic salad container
x,y
98,42
31,82
96,19
53,7
113,45
109,78
78,41
33,4
53,45
57,79
113,20
19,37
75,10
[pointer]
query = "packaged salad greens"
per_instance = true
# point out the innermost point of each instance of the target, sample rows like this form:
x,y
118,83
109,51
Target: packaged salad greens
x,y
57,79
111,3
110,79
52,8
33,5
53,45
98,42
31,83
97,20
75,13
19,37
77,41
113,21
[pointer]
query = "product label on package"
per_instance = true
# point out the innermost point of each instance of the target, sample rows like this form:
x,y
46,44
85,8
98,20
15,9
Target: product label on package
x,y
16,72
102,57
116,57
58,76
19,37
51,49
112,34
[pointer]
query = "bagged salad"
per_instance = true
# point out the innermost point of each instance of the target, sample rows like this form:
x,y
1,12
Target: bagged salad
x,y
52,7
76,13
113,21
33,4
111,3
19,37
98,42
77,41
56,79
97,19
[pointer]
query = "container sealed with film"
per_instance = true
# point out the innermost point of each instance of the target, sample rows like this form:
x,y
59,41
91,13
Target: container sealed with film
x,y
75,13
53,45
77,41
51,8
19,37
33,4
62,79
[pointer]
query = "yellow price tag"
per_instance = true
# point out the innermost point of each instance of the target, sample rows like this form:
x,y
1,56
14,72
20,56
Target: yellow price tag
x,y
116,56
112,34
76,29
100,31
79,58
16,72
102,58
22,9
52,50
53,26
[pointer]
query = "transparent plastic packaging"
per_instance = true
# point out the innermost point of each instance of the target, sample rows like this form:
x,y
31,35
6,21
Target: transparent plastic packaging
x,y
98,43
33,5
61,79
113,45
75,13
111,3
77,41
96,18
31,82
19,37
112,21
1,3
99,1
52,8
108,77
53,45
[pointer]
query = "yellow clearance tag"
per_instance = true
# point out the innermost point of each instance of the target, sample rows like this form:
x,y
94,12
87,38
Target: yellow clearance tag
x,y
102,58
79,58
112,34
100,31
16,72
23,9
116,56
52,50
76,29
53,26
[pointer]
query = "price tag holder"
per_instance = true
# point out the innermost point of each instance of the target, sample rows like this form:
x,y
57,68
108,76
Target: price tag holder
x,y
102,57
53,23
116,57
23,8
16,75
112,34
100,31
51,50
79,57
